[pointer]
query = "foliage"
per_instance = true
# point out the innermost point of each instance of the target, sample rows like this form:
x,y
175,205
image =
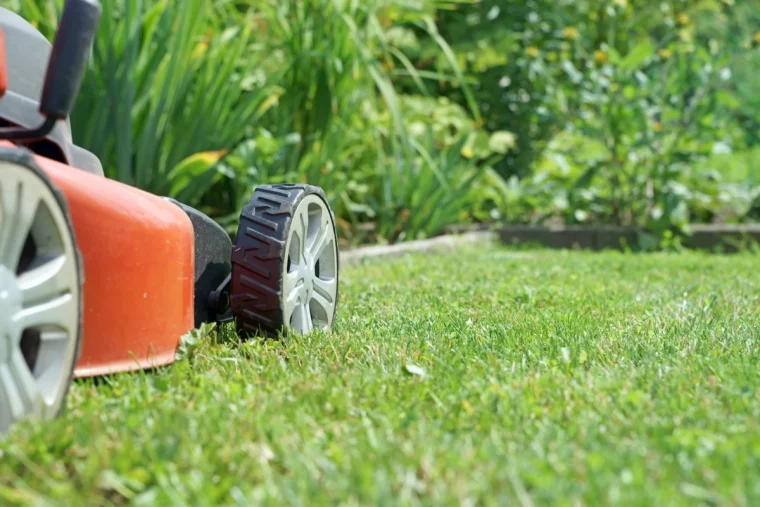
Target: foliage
x,y
255,92
411,195
646,93
419,114
174,98
341,124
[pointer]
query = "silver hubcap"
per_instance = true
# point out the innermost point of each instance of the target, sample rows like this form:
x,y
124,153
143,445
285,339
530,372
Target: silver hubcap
x,y
310,285
39,298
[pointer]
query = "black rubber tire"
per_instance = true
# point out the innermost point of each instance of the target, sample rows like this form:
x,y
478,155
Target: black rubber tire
x,y
24,157
258,257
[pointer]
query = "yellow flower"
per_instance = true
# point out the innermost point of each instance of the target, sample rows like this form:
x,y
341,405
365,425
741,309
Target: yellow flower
x,y
571,33
532,51
551,56
199,51
614,87
665,54
756,38
600,57
683,19
658,127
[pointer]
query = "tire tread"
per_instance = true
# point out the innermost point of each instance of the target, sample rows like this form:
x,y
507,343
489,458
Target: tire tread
x,y
258,256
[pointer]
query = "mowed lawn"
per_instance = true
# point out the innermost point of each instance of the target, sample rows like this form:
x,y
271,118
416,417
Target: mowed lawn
x,y
483,376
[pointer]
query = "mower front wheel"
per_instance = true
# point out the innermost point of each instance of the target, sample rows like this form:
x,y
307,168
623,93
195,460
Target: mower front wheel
x,y
40,293
285,262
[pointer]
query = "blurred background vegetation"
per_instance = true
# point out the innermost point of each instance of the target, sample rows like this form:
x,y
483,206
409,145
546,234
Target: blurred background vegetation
x,y
415,115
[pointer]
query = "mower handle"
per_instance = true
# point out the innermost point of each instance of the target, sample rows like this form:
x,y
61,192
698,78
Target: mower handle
x,y
68,58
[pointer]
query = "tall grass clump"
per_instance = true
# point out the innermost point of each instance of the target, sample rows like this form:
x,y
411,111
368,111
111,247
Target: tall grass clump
x,y
340,122
163,99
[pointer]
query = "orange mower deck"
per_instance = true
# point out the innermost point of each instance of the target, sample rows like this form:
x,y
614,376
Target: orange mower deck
x,y
137,251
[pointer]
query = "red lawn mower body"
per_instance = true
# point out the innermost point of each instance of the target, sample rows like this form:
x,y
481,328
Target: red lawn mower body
x,y
138,256
137,251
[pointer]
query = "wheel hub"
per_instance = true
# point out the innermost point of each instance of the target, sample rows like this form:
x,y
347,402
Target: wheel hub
x,y
310,287
10,304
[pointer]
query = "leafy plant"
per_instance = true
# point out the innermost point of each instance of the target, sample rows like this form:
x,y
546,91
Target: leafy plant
x,y
651,97
340,117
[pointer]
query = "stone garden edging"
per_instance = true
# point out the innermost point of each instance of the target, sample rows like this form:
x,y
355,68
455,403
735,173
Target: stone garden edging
x,y
723,238
425,245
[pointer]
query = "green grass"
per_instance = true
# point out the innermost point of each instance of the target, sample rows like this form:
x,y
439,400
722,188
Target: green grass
x,y
549,377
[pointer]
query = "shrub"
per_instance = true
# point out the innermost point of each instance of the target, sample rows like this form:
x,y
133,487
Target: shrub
x,y
643,93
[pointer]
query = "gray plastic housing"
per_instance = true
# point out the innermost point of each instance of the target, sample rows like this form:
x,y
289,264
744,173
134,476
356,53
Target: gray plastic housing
x,y
27,57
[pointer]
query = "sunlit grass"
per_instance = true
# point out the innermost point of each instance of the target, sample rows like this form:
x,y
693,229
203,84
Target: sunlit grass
x,y
480,376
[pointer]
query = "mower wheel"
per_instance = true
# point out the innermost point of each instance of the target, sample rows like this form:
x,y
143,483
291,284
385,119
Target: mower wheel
x,y
285,262
40,293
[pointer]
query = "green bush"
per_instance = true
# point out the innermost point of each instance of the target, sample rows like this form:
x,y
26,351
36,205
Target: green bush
x,y
418,115
641,96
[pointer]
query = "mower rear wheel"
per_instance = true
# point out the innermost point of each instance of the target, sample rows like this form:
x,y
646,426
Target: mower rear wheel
x,y
285,262
40,295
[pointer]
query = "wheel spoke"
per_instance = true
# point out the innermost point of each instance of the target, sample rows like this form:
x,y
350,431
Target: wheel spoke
x,y
11,403
19,391
324,298
325,289
291,314
308,326
19,208
46,281
294,249
323,240
303,228
26,385
54,336
58,312
48,371
290,287
300,319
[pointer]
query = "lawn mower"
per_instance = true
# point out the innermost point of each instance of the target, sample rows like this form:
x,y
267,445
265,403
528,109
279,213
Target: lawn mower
x,y
98,277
